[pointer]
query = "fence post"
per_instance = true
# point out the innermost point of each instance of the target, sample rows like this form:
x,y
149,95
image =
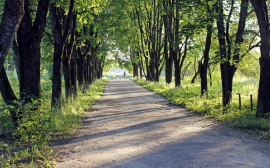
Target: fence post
x,y
251,103
239,101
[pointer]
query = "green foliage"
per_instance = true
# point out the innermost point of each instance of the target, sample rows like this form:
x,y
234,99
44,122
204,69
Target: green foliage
x,y
188,96
39,124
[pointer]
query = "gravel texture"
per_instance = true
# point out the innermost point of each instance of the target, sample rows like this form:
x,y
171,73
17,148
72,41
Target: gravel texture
x,y
132,127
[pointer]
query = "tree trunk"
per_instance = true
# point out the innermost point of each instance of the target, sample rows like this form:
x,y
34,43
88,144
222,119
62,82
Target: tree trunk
x,y
66,72
227,70
73,72
7,93
59,45
135,70
177,71
67,60
210,75
168,58
203,66
263,105
195,75
29,39
80,69
57,58
140,68
11,18
16,58
226,93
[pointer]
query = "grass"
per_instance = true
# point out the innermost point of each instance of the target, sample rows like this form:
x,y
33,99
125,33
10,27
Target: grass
x,y
189,97
28,145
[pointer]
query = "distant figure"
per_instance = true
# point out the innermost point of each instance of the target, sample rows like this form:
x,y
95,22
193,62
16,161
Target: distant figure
x,y
124,75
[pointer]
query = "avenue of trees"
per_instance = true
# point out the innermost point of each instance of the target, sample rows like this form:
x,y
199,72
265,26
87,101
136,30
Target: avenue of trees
x,y
71,29
74,37
170,32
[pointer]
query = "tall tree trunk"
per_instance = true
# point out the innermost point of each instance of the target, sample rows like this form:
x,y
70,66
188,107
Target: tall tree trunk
x,y
227,70
73,72
16,58
203,66
57,58
177,71
226,94
80,69
11,18
66,72
168,23
135,70
67,60
29,39
263,105
59,45
140,67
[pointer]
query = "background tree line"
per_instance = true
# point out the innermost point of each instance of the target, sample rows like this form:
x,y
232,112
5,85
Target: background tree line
x,y
63,36
73,38
174,35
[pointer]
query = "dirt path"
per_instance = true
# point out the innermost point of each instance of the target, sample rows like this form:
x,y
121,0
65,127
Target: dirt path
x,y
132,127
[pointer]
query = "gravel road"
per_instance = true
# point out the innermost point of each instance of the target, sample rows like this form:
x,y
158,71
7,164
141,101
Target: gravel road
x,y
132,127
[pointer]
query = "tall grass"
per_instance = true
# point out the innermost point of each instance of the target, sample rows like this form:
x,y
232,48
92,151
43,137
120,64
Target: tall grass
x,y
188,96
37,127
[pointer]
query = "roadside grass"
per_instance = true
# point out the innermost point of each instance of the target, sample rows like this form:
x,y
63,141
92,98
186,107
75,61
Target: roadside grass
x,y
188,96
28,145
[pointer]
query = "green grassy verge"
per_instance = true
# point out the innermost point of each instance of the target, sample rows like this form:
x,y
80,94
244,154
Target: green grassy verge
x,y
188,96
38,127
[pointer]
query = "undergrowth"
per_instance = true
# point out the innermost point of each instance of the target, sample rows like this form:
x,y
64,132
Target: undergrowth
x,y
188,96
28,145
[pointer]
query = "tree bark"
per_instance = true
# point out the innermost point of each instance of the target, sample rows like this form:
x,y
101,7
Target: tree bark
x,y
227,70
7,93
29,39
73,72
11,18
203,66
66,72
16,58
80,70
57,58
223,54
263,104
135,70
60,41
67,60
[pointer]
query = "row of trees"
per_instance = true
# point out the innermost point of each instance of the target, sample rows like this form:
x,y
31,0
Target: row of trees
x,y
164,33
69,28
156,35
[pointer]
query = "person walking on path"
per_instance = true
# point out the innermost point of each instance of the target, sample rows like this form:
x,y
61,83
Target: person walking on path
x,y
124,75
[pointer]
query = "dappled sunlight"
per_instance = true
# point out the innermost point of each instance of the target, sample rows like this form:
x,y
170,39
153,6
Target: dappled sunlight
x,y
138,128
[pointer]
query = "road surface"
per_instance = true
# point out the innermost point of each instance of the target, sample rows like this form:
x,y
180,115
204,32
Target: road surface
x,y
132,127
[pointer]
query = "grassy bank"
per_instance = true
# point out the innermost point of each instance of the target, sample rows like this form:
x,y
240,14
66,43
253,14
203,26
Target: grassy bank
x,y
188,96
28,145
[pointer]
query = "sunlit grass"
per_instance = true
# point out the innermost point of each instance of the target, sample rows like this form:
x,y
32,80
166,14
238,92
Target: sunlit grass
x,y
188,96
39,126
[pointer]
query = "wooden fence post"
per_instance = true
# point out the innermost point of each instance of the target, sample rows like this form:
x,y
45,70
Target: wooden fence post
x,y
239,101
251,103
